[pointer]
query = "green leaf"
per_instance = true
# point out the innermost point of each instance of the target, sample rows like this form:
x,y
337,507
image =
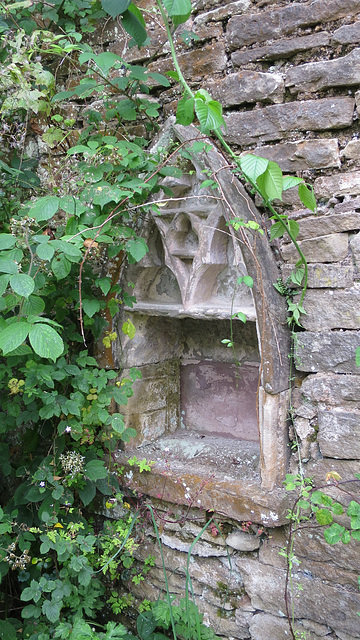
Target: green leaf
x,y
129,329
115,7
52,609
146,623
209,115
294,228
185,111
106,60
95,470
126,110
276,231
307,197
87,494
22,284
45,251
104,284
178,10
324,516
291,181
8,266
137,248
44,208
4,281
133,26
91,307
34,305
45,341
6,241
270,183
253,166
13,336
61,267
117,423
334,533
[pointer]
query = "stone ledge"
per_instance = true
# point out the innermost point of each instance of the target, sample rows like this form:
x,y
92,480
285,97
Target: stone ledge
x,y
215,474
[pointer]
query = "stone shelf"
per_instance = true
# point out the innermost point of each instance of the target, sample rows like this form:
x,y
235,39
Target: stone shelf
x,y
201,312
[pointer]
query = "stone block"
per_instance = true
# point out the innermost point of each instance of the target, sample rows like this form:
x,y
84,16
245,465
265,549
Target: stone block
x,y
323,276
265,627
302,154
355,248
314,225
347,34
248,86
339,434
337,185
352,150
332,389
277,121
332,309
349,204
206,61
237,7
323,603
280,49
315,76
268,25
330,248
242,541
324,352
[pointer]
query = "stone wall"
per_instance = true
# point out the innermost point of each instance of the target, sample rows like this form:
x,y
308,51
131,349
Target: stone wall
x,y
288,76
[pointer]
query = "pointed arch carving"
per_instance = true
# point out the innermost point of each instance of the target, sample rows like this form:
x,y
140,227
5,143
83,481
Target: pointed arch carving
x,y
190,271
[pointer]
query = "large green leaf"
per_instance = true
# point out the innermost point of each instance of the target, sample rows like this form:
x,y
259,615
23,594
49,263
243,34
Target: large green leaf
x,y
4,281
8,266
253,166
61,267
52,608
6,241
270,183
307,197
87,494
209,115
95,470
22,284
45,341
91,307
137,248
44,208
291,181
115,7
178,10
133,26
45,251
13,336
185,111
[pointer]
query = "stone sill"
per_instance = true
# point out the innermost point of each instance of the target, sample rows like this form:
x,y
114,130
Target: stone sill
x,y
196,311
208,472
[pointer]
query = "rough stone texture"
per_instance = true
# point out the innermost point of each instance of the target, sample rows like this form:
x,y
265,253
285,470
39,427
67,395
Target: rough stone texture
x,y
247,87
315,76
281,49
339,434
337,185
352,150
302,154
314,225
194,65
320,602
355,248
347,34
332,309
323,276
332,351
223,12
349,204
266,25
265,626
330,248
332,389
276,121
242,541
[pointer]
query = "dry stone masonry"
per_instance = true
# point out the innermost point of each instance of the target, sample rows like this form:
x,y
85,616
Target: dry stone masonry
x,y
288,76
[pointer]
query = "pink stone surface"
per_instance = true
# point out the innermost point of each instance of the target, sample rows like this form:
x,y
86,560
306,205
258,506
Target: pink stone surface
x,y
219,398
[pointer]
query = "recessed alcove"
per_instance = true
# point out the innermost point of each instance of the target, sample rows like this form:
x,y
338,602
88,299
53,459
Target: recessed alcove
x,y
214,409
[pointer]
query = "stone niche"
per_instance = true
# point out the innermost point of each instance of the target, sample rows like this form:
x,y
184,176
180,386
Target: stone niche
x,y
199,402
